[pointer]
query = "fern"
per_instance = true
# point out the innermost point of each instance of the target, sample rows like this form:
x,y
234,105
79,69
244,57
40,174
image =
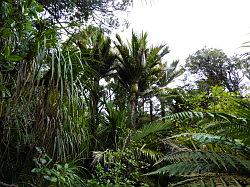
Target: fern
x,y
211,179
149,129
234,129
218,158
198,161
178,169
214,140
226,125
148,153
190,115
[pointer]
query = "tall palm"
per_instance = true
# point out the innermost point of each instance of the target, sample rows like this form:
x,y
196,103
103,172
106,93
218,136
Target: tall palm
x,y
138,67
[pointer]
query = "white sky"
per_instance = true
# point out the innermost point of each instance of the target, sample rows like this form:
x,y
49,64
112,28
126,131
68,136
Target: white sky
x,y
189,25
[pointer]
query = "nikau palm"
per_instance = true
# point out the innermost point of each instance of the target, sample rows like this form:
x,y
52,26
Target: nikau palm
x,y
138,67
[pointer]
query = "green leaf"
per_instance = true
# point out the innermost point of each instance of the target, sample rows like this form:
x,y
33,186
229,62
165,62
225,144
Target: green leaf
x,y
39,8
28,26
5,91
36,170
8,66
14,58
6,32
8,1
66,166
58,166
6,51
53,179
43,161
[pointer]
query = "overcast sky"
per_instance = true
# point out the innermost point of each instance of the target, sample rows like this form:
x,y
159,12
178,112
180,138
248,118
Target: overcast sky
x,y
189,25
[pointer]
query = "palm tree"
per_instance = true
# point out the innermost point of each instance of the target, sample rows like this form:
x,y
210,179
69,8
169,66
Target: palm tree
x,y
138,68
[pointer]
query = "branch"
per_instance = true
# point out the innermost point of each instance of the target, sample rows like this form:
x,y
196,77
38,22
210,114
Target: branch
x,y
57,20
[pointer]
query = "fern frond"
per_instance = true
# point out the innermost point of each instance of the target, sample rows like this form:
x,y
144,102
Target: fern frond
x,y
98,156
149,153
236,128
190,115
226,125
215,140
213,116
180,168
214,179
198,161
149,129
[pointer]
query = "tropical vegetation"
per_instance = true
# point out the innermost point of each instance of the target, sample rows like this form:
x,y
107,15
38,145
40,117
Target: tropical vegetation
x,y
87,110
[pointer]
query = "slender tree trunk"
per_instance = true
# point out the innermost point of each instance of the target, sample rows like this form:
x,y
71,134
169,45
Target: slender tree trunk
x,y
151,109
163,109
94,107
133,111
133,104
143,102
94,113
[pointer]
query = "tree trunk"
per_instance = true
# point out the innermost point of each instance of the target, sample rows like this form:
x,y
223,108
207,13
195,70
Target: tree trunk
x,y
163,109
151,109
94,118
143,102
133,111
94,113
133,104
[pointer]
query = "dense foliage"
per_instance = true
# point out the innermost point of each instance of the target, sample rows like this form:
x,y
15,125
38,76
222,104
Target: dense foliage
x,y
91,111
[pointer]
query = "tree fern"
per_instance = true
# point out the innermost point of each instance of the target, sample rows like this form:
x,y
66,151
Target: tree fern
x,y
211,179
148,154
149,129
227,125
204,139
186,163
222,152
